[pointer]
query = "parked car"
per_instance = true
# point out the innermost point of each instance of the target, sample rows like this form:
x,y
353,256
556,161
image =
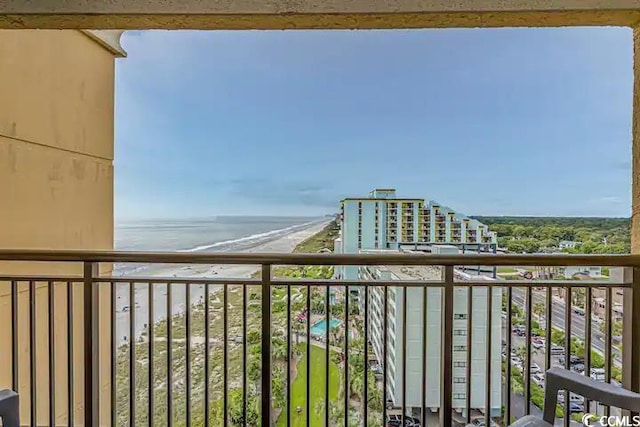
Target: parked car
x,y
575,407
573,360
572,398
519,330
538,379
535,369
395,420
597,374
480,422
578,367
539,343
557,350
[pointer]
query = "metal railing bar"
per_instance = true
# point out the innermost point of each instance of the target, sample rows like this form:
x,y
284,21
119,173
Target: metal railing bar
x,y
151,335
245,297
423,392
326,356
113,353
207,353
446,358
544,284
15,358
32,355
52,355
179,280
225,355
567,351
587,341
608,341
548,327
365,394
323,282
70,356
169,354
317,259
288,373
37,278
308,356
187,332
346,356
527,355
132,354
509,346
468,352
385,357
487,414
266,347
404,355
459,283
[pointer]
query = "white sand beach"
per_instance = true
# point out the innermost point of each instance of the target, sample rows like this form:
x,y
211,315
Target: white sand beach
x,y
286,243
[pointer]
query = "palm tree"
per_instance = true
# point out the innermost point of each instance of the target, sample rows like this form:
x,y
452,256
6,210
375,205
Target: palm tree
x,y
279,349
538,309
298,329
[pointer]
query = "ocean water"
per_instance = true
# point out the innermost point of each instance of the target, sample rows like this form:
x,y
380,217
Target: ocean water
x,y
224,233
219,234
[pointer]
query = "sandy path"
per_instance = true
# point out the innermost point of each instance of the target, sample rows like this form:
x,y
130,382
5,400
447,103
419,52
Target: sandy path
x,y
285,244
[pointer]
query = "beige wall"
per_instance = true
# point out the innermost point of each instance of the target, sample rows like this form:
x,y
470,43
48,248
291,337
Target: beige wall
x,y
56,187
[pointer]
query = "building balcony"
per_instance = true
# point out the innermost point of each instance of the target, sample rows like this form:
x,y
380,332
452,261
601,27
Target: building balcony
x,y
249,334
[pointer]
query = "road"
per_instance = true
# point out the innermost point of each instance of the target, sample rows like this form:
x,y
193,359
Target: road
x,y
558,318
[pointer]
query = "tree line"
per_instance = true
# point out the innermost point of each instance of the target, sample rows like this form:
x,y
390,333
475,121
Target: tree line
x,y
544,234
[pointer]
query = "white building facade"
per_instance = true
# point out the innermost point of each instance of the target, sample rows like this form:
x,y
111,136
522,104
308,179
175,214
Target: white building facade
x,y
415,329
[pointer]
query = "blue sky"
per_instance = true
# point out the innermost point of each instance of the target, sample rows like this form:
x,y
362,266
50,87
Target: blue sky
x,y
502,122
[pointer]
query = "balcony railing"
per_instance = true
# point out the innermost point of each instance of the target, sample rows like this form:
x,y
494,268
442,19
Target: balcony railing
x,y
228,355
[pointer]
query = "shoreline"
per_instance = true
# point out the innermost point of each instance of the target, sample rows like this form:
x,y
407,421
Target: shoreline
x,y
283,243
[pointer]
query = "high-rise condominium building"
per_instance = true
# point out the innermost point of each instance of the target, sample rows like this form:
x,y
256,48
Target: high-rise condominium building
x,y
383,223
404,359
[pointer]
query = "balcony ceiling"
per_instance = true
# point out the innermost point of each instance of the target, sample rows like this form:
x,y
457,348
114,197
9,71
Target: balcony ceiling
x,y
300,14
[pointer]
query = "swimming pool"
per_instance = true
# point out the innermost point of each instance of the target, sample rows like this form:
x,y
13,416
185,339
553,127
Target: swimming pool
x,y
320,327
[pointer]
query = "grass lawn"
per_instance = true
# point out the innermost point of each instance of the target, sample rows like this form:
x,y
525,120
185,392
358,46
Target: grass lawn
x,y
298,389
506,270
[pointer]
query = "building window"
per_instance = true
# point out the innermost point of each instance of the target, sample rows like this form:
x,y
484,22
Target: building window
x,y
459,380
460,332
459,364
459,395
460,316
459,348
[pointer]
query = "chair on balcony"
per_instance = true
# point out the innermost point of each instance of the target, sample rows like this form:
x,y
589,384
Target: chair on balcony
x,y
9,408
562,379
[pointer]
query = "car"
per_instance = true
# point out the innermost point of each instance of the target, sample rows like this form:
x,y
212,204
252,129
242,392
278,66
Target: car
x,y
557,350
538,379
480,422
575,407
572,398
598,374
535,369
578,367
395,420
573,360
538,344
519,331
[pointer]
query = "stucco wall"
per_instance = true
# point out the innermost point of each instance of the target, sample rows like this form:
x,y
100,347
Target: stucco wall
x,y
56,189
280,14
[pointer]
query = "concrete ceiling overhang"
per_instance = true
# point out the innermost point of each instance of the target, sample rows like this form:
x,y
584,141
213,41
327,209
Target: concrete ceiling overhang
x,y
314,14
